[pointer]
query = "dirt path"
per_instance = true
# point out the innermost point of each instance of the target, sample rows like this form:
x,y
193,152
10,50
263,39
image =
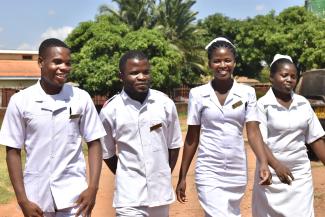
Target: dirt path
x,y
104,208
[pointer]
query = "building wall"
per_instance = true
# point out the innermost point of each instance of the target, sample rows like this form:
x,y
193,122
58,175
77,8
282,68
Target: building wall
x,y
16,84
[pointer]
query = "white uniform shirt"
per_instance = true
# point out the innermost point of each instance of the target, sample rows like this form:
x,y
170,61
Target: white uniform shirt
x,y
50,128
221,156
141,135
299,125
286,131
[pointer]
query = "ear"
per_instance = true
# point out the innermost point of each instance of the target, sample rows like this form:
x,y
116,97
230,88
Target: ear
x,y
40,62
121,75
271,79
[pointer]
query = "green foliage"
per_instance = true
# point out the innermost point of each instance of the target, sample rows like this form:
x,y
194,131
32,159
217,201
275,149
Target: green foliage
x,y
102,43
295,32
166,32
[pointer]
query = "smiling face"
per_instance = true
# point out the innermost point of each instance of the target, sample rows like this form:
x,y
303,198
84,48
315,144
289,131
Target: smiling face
x,y
136,78
55,67
284,79
222,63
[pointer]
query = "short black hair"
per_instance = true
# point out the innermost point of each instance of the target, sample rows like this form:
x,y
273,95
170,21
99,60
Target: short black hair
x,y
221,44
132,54
278,64
50,42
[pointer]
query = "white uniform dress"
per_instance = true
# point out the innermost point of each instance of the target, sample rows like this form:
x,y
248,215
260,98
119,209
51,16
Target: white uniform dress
x,y
221,168
140,135
286,131
50,129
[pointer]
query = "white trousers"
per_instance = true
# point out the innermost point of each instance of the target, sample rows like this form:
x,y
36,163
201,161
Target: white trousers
x,y
143,211
68,212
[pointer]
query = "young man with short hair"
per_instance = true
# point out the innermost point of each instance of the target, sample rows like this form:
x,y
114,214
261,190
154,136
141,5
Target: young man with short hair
x,y
48,121
142,142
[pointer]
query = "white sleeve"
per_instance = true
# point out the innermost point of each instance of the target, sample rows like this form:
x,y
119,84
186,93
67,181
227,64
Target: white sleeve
x,y
251,107
193,110
262,118
174,134
108,141
315,129
13,129
91,127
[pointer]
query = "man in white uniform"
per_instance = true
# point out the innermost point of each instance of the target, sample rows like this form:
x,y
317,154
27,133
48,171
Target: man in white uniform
x,y
49,120
142,142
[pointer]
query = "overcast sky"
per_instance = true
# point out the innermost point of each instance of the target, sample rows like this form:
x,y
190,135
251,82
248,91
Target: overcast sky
x,y
24,24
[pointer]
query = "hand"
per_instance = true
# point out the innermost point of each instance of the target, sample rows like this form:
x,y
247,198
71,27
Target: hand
x,y
283,173
30,209
180,191
86,202
265,175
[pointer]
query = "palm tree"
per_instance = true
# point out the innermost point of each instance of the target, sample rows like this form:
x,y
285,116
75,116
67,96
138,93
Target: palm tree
x,y
136,14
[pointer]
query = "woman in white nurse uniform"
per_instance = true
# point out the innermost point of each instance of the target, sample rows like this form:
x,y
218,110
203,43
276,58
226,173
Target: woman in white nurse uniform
x,y
217,112
287,123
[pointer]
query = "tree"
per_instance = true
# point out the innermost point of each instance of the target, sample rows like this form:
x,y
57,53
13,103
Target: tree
x,y
136,14
98,45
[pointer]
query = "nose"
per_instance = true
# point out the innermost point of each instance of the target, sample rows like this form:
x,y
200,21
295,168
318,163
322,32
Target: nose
x,y
142,76
65,67
222,64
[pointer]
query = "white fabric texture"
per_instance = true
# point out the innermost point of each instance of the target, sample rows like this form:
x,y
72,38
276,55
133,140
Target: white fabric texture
x,y
140,135
143,211
221,160
55,168
286,131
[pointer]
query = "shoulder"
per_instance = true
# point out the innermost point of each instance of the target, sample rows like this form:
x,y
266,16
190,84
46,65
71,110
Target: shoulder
x,y
76,90
300,98
161,97
200,90
111,104
25,93
244,88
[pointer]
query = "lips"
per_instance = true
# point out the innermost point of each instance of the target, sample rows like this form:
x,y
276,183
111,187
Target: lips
x,y
61,76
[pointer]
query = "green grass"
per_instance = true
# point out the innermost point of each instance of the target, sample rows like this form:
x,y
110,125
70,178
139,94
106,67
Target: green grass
x,y
6,191
182,120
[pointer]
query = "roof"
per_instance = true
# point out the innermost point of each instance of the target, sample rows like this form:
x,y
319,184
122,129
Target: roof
x,y
13,69
18,52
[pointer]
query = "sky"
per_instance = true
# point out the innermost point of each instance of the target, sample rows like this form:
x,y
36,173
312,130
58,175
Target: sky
x,y
24,24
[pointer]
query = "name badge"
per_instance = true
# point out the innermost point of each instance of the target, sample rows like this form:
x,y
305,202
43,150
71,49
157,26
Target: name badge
x,y
154,127
74,116
237,104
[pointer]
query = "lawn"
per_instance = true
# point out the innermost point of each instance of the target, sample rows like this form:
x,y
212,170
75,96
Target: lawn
x,y
6,191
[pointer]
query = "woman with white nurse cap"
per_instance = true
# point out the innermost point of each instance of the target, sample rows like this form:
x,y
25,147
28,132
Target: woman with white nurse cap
x,y
287,123
217,113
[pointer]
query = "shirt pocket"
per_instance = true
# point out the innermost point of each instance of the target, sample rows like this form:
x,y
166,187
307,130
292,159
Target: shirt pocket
x,y
73,129
157,136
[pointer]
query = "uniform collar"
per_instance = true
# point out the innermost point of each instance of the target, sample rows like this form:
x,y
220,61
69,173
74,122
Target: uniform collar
x,y
270,99
40,95
235,93
149,99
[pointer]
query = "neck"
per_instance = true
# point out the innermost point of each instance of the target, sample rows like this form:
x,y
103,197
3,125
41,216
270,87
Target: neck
x,y
140,97
222,86
48,88
286,97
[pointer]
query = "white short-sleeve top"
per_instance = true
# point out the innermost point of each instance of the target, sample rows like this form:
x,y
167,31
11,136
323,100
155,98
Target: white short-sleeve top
x,y
221,151
286,131
140,135
50,129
